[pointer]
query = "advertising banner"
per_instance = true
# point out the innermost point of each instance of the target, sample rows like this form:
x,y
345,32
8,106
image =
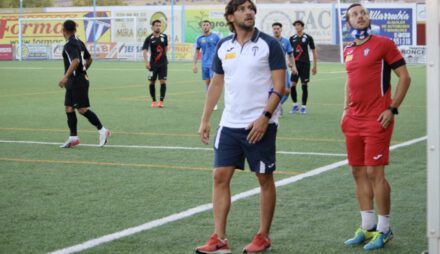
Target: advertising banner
x,y
184,51
124,29
318,20
5,52
35,52
129,51
397,22
50,31
414,54
194,17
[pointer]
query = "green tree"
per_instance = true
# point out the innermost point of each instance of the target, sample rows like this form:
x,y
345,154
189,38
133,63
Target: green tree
x,y
26,3
98,2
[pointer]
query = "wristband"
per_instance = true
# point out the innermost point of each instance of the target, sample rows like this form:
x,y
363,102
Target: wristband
x,y
276,93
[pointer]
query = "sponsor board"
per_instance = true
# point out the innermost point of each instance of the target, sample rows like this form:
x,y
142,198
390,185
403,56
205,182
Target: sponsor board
x,y
50,31
34,52
414,54
194,17
317,19
124,30
397,22
5,52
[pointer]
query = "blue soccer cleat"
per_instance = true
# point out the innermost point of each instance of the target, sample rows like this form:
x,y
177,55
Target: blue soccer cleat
x,y
303,110
379,240
294,109
360,237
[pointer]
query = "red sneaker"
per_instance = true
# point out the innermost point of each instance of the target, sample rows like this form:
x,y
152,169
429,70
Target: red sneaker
x,y
154,104
214,246
258,244
161,104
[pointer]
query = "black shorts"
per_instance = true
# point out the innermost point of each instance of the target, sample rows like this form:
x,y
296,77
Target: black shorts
x,y
231,148
158,70
77,92
303,73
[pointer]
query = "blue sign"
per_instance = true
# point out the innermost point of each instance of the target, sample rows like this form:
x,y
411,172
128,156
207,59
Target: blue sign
x,y
394,23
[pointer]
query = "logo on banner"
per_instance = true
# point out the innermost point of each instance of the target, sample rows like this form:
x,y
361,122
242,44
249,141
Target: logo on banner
x,y
95,29
163,20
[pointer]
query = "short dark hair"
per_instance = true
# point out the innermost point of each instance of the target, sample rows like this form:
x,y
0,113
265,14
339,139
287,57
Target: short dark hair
x,y
232,6
206,21
155,21
298,22
69,26
349,7
277,24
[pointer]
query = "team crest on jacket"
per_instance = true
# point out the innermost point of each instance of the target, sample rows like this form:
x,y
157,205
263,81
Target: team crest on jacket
x,y
366,51
255,49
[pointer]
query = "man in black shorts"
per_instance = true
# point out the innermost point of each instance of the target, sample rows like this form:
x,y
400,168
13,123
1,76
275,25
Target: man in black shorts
x,y
76,82
300,43
157,64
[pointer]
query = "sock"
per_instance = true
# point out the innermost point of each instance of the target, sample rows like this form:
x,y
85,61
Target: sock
x,y
293,94
384,223
163,90
368,219
284,99
71,122
102,130
93,119
153,91
305,94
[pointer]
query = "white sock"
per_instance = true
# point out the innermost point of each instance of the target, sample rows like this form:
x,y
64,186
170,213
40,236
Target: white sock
x,y
102,130
384,223
295,104
303,106
73,137
368,219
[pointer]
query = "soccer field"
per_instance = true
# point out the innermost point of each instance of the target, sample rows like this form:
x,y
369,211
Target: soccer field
x,y
155,166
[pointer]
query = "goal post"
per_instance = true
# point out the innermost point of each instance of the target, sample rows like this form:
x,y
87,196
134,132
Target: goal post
x,y
433,125
105,37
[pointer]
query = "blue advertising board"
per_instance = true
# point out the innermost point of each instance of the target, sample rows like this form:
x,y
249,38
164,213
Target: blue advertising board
x,y
395,22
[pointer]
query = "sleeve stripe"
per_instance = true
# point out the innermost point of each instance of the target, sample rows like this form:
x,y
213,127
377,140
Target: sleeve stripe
x,y
397,64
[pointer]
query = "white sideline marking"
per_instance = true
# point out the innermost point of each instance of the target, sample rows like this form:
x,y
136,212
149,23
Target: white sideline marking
x,y
115,69
164,147
202,208
94,69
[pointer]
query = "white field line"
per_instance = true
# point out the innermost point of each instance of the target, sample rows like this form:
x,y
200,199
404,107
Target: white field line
x,y
119,69
93,69
206,207
164,148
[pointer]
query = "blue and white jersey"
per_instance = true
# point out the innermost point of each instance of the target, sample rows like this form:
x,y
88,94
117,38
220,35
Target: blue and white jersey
x,y
285,44
247,74
207,44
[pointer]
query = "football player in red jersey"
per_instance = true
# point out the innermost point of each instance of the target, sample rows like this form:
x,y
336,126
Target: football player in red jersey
x,y
368,122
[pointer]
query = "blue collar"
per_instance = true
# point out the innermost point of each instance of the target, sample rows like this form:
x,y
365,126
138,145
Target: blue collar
x,y
254,38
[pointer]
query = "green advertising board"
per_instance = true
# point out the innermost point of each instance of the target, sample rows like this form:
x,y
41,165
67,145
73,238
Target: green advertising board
x,y
194,18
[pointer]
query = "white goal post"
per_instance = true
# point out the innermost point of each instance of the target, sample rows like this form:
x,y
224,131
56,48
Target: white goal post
x,y
105,37
433,125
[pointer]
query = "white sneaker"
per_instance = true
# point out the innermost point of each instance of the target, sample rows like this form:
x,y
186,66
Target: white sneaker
x,y
103,136
215,107
71,142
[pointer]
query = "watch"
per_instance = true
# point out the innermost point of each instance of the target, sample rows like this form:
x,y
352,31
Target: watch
x,y
267,114
393,110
